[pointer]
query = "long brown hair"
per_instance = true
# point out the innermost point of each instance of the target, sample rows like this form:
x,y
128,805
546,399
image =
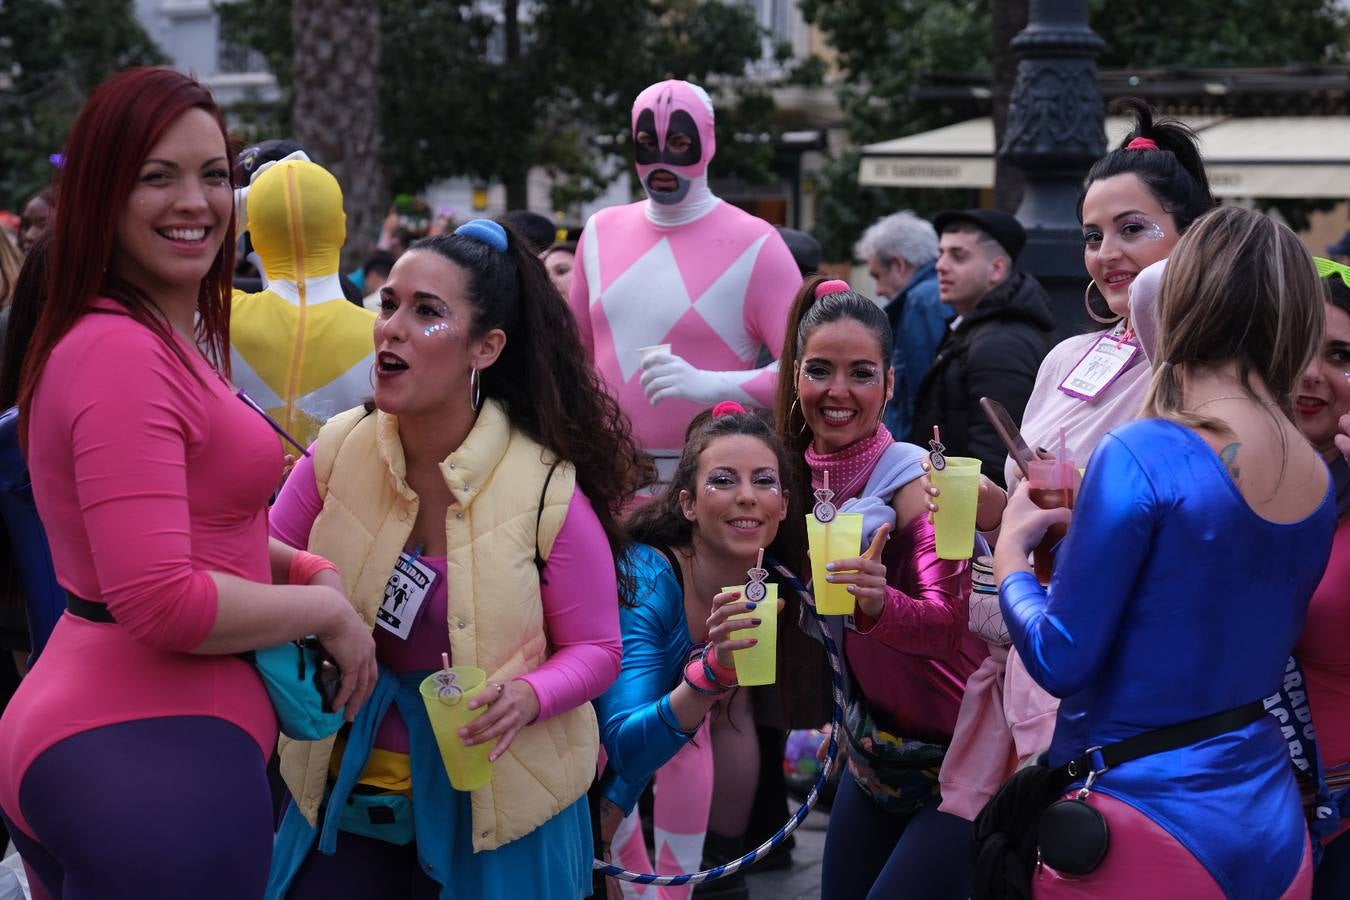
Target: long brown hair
x,y
1239,288
108,143
549,389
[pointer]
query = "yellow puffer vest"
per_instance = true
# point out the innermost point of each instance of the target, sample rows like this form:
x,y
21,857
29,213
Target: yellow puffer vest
x,y
496,618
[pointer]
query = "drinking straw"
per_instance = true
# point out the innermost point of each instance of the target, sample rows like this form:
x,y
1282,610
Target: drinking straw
x,y
1064,468
936,458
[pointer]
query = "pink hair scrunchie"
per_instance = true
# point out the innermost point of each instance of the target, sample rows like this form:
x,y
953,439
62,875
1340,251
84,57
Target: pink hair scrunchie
x,y
1142,143
833,286
727,408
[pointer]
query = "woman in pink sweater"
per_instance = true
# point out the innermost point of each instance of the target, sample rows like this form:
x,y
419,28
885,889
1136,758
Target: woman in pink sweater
x,y
132,760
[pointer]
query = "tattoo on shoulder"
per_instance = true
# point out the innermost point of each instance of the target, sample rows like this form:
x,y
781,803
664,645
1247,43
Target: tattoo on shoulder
x,y
1229,456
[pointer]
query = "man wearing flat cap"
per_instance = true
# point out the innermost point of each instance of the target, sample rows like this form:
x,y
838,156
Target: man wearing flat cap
x,y
994,346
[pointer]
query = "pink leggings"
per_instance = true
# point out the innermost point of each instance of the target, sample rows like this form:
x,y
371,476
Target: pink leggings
x,y
682,796
1145,861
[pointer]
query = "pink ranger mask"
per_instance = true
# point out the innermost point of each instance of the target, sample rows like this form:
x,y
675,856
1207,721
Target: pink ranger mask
x,y
665,109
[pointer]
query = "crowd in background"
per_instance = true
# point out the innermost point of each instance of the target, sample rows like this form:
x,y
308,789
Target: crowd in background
x,y
545,456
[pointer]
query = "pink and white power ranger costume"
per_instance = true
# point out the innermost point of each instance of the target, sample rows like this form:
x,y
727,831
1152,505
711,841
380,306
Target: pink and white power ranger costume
x,y
682,268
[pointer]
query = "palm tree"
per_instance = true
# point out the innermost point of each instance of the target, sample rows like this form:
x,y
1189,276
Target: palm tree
x,y
336,110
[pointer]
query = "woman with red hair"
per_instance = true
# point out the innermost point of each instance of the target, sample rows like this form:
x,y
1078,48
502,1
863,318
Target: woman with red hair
x,y
133,759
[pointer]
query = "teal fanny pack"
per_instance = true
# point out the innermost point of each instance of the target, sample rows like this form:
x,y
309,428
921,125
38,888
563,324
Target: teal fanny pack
x,y
300,677
373,813
301,688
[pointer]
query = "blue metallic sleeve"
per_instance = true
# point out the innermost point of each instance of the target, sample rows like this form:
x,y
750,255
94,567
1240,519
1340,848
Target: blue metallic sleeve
x,y
1065,633
637,725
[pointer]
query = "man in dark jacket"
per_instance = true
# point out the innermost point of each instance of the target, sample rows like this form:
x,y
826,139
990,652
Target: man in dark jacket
x,y
995,345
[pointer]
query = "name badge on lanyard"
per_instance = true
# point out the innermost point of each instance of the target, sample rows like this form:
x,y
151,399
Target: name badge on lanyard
x,y
404,595
1100,367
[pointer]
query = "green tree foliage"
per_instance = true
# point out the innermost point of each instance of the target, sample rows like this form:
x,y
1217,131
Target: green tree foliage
x,y
1145,33
52,56
491,90
888,47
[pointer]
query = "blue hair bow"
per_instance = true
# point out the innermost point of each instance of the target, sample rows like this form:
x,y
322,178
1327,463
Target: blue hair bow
x,y
485,230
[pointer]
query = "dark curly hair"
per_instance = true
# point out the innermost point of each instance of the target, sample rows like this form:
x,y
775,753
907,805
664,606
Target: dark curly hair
x,y
549,389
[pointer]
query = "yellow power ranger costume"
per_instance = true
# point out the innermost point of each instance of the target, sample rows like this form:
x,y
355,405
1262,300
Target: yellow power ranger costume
x,y
299,348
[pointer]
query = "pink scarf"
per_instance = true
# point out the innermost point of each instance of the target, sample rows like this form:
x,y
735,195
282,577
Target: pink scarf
x,y
850,467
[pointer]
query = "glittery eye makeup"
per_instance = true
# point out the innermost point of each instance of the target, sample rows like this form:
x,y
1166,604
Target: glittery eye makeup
x,y
868,376
719,480
438,328
767,479
726,480
1138,226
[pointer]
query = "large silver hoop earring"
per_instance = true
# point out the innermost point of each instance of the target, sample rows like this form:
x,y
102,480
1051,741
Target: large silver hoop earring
x,y
475,389
1087,304
795,405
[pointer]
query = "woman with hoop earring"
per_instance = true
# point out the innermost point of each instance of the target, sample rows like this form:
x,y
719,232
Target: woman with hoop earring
x,y
1136,203
471,509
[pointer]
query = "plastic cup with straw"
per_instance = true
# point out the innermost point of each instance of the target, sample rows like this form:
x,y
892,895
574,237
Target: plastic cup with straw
x,y
757,665
831,535
446,694
1052,484
957,478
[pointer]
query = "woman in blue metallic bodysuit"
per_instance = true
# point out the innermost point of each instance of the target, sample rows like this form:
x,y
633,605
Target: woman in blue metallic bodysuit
x,y
1198,537
723,507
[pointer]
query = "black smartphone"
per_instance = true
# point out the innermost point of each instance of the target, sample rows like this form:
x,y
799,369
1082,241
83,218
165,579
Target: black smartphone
x,y
1009,434
328,677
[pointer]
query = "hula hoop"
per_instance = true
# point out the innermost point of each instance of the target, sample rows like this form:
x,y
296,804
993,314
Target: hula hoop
x,y
796,819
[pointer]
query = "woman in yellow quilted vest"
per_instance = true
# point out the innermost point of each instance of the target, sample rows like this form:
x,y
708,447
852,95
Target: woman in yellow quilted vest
x,y
471,511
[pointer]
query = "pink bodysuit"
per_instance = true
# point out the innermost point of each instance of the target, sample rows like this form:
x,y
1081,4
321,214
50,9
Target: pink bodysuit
x,y
686,269
147,477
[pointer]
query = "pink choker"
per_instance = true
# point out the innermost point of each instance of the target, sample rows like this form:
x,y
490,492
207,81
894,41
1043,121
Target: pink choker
x,y
850,467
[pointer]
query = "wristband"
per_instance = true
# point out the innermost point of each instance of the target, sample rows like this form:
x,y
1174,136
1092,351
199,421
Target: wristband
x,y
720,675
305,565
698,678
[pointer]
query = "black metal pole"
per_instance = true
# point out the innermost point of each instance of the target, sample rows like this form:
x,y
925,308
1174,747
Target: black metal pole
x,y
1056,129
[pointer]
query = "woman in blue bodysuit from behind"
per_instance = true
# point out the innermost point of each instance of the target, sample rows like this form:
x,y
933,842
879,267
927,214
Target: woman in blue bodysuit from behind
x,y
1199,535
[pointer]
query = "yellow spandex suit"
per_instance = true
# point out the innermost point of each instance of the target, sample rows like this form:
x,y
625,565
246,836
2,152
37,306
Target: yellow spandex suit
x,y
299,348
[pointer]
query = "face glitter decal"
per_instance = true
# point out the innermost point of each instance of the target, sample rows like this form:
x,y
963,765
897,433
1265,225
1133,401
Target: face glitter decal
x,y
1151,231
439,327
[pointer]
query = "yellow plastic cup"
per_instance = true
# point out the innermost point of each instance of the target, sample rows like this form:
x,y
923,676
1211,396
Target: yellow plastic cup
x,y
954,521
840,539
468,767
758,664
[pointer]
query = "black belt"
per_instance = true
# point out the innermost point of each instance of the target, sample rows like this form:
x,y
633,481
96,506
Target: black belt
x,y
88,609
1097,760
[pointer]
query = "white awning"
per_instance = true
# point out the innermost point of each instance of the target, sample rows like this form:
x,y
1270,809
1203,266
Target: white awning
x,y
1262,157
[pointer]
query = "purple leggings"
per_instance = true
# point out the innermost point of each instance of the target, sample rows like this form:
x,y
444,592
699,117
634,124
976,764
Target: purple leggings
x,y
152,809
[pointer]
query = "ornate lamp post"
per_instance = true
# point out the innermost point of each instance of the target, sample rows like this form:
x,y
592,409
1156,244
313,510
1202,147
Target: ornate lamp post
x,y
1056,130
